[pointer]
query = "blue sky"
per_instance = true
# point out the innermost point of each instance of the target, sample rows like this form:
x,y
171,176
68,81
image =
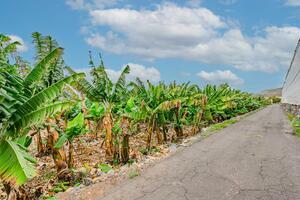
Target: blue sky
x,y
248,44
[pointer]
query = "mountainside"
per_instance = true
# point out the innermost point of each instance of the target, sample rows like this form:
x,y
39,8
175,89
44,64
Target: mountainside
x,y
272,92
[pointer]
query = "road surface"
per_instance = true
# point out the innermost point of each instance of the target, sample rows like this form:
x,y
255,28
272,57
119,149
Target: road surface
x,y
256,158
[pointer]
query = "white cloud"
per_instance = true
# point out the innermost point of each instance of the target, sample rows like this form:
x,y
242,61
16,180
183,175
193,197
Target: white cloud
x,y
261,53
171,31
136,70
219,77
90,4
20,48
293,2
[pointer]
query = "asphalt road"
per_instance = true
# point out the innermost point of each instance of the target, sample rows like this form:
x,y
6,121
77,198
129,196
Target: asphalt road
x,y
256,158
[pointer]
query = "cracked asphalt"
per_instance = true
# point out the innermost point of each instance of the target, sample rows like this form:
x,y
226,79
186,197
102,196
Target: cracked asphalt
x,y
256,158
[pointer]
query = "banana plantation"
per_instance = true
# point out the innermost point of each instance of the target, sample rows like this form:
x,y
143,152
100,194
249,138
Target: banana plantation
x,y
57,126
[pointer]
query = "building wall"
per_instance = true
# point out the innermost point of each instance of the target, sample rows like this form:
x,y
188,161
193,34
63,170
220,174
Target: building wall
x,y
291,86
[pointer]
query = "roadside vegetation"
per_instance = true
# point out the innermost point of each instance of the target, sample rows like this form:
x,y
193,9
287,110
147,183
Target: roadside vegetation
x,y
295,122
58,129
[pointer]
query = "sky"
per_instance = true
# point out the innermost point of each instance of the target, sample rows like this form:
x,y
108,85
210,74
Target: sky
x,y
248,44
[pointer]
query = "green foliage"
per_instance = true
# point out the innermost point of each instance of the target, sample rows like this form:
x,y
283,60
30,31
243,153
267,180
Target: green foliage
x,y
61,187
104,167
41,67
152,150
25,141
25,103
16,164
96,110
291,116
28,98
222,125
51,198
74,128
133,173
43,46
296,126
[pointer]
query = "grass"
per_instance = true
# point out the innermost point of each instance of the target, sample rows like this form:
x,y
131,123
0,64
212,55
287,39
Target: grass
x,y
222,125
296,126
291,116
133,173
216,127
295,122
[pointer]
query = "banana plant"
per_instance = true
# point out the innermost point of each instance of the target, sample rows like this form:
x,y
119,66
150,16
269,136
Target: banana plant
x,y
20,108
128,115
96,113
109,94
153,105
75,128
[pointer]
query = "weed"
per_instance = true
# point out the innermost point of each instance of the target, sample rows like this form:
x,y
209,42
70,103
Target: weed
x,y
132,174
222,125
104,167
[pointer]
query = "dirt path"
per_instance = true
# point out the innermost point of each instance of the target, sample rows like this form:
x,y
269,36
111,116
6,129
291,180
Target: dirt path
x,y
252,159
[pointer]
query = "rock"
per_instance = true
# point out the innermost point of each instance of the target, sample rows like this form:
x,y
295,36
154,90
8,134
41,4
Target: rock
x,y
123,170
87,181
83,171
99,172
111,173
172,148
99,179
94,171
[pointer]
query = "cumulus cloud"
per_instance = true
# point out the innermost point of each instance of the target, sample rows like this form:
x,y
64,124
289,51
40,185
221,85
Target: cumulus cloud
x,y
20,48
219,77
136,70
261,53
293,2
193,33
159,33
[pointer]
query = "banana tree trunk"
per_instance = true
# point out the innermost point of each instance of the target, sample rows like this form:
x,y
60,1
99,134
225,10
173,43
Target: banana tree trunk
x,y
39,143
60,158
194,130
179,132
85,112
149,135
98,129
158,135
177,128
50,145
125,141
107,123
71,155
59,155
125,149
165,132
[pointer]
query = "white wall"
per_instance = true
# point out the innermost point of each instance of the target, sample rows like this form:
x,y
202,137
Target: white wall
x,y
291,87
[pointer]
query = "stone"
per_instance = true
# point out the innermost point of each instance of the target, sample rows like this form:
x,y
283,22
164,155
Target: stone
x,y
87,181
172,148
